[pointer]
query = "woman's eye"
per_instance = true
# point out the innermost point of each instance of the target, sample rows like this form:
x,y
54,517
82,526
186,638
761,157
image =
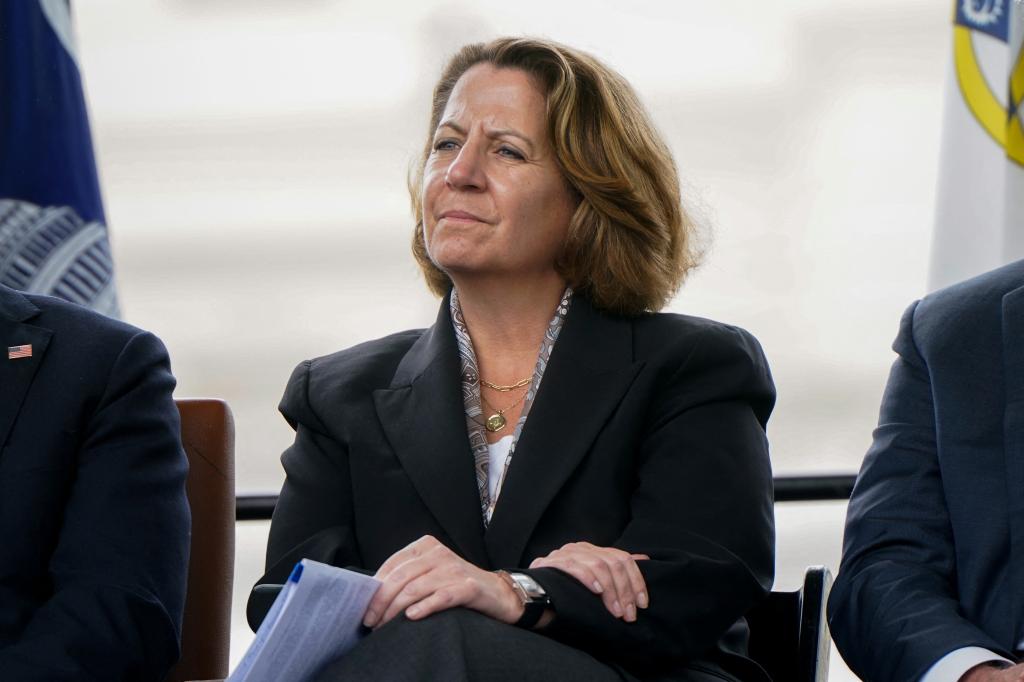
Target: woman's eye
x,y
511,153
442,145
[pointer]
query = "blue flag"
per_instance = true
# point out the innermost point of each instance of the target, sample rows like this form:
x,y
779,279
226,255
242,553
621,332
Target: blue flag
x,y
53,235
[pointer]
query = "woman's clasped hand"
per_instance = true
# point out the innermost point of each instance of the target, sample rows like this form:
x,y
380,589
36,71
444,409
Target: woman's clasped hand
x,y
425,577
609,572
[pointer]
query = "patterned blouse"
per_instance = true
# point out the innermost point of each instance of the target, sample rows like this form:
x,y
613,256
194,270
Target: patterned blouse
x,y
471,395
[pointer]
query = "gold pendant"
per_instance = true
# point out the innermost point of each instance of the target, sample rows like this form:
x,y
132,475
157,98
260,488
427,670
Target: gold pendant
x,y
495,423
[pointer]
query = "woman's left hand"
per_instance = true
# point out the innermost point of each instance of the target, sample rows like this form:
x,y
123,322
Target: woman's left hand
x,y
426,577
606,571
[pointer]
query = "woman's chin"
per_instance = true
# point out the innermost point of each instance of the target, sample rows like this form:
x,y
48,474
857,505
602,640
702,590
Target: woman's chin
x,y
463,271
463,262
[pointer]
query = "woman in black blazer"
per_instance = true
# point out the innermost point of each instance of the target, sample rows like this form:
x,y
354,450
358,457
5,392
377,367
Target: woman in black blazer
x,y
598,510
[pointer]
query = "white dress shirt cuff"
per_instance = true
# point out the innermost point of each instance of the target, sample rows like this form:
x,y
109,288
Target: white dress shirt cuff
x,y
953,665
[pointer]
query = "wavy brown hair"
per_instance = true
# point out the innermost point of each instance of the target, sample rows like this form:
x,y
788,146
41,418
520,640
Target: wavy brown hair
x,y
630,244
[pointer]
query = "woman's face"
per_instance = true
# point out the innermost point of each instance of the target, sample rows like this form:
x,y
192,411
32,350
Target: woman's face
x,y
494,199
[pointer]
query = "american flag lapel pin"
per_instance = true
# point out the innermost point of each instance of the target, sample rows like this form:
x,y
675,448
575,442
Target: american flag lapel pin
x,y
15,352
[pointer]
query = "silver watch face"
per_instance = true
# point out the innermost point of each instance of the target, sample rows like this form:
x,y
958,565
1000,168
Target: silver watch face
x,y
530,586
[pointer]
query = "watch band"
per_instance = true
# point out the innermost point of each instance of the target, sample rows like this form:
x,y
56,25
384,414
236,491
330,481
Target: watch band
x,y
534,599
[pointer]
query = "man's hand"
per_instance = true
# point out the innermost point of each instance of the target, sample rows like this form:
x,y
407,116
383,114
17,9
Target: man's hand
x,y
989,673
426,577
609,572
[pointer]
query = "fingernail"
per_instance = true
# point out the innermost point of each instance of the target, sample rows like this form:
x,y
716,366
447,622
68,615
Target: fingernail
x,y
412,611
641,600
598,588
369,619
630,613
617,609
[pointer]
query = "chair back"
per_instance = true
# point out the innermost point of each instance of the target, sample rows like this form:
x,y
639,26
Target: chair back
x,y
788,634
208,434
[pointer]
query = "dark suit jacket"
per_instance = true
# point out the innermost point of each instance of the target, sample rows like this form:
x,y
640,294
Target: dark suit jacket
x,y
933,556
94,525
646,434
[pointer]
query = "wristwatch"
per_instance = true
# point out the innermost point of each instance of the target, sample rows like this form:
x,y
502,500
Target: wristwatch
x,y
535,599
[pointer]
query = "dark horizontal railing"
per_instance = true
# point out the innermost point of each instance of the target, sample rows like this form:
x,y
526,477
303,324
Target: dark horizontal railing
x,y
254,507
813,488
787,489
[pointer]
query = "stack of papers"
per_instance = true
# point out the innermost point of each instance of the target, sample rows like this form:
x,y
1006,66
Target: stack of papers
x,y
316,618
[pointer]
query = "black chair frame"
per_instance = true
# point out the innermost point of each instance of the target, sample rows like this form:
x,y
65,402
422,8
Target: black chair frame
x,y
788,634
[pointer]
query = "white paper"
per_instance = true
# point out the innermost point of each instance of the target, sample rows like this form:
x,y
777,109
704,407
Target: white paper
x,y
316,618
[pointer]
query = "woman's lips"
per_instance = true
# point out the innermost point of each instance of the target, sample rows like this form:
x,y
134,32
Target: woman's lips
x,y
461,216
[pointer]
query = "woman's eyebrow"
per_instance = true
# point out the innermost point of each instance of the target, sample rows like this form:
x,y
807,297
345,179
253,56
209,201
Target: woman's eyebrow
x,y
453,125
509,132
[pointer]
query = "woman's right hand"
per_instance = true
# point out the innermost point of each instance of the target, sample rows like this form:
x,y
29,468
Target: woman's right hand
x,y
426,577
606,571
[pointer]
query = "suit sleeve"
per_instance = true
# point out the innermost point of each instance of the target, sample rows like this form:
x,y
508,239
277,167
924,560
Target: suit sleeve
x,y
702,510
893,610
120,566
313,517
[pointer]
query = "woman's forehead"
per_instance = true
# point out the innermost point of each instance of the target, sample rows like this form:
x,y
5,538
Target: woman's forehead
x,y
503,97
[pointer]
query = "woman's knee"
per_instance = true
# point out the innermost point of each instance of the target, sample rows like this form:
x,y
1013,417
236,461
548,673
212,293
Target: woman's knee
x,y
459,622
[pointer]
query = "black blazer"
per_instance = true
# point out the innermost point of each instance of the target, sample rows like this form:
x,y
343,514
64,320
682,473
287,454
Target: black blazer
x,y
647,434
93,516
933,556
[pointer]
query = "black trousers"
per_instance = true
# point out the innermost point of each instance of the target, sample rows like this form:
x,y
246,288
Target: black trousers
x,y
460,645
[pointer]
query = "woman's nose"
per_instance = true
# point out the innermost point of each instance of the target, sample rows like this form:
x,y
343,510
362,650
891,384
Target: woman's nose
x,y
466,170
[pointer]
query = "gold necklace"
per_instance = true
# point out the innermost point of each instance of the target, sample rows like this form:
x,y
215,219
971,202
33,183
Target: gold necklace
x,y
506,389
496,422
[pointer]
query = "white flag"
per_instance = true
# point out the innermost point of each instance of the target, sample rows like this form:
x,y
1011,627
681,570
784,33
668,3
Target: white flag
x,y
979,219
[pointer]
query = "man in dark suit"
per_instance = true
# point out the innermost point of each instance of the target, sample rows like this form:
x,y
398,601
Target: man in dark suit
x,y
93,516
931,585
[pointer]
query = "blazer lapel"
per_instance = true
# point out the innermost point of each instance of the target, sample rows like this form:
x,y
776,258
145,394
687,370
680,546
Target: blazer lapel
x,y
589,371
1013,439
16,374
425,421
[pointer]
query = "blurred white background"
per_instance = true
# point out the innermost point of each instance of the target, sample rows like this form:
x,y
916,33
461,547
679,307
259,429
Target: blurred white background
x,y
253,157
